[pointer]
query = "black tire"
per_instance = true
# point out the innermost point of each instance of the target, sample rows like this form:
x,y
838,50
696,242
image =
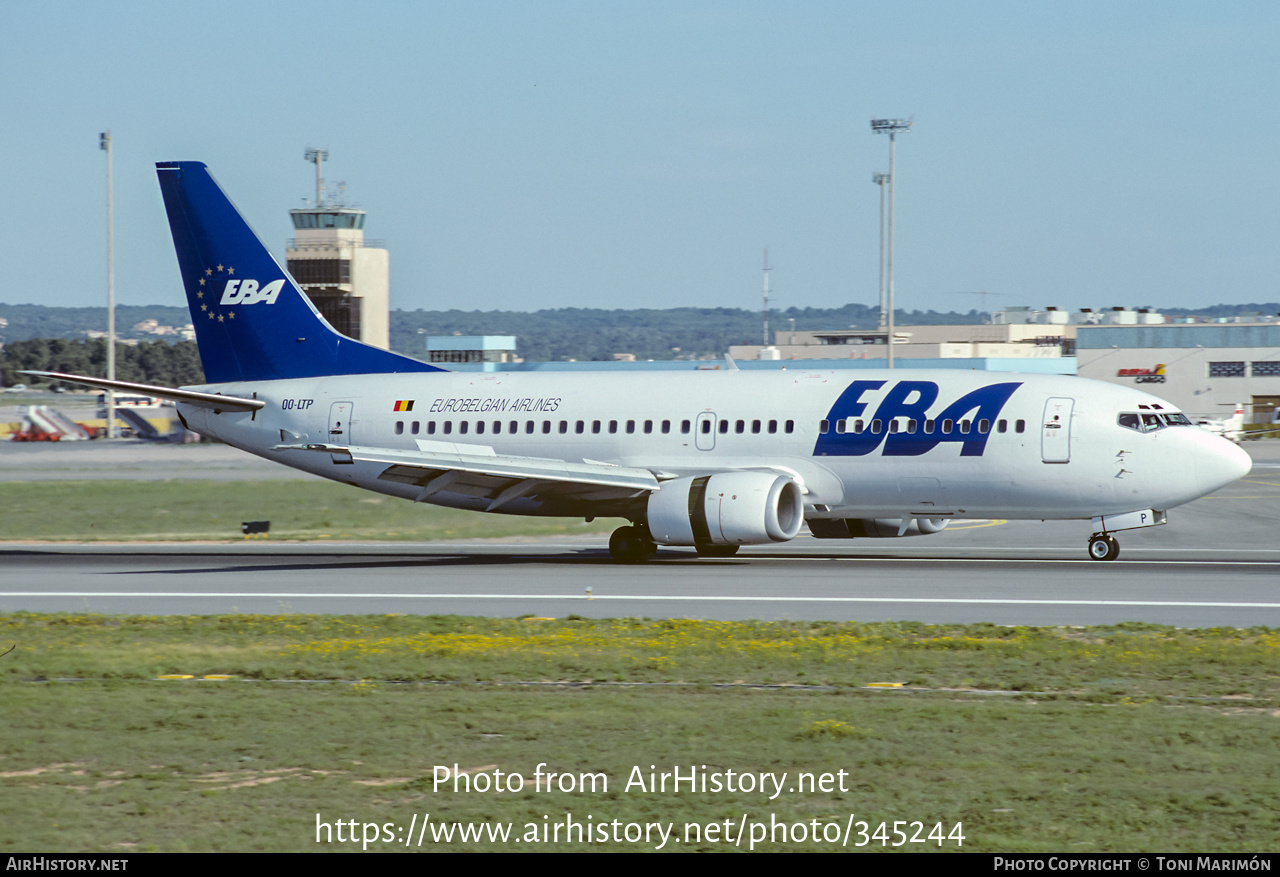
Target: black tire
x,y
1104,548
630,545
717,550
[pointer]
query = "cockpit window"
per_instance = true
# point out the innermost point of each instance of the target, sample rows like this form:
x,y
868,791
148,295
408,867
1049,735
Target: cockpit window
x,y
1151,422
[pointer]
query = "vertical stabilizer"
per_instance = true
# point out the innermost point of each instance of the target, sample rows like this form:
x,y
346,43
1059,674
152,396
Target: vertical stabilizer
x,y
252,321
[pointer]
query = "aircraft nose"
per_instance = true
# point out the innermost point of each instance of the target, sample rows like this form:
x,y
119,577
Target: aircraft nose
x,y
1219,463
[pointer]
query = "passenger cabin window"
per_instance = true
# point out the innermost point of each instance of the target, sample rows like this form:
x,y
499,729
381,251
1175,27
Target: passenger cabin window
x,y
399,427
822,427
666,427
790,426
684,427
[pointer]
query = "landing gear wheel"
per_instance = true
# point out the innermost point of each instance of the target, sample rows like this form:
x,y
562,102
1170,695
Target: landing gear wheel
x,y
1103,547
631,545
717,550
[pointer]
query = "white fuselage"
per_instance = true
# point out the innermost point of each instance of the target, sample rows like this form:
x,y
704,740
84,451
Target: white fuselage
x,y
1053,449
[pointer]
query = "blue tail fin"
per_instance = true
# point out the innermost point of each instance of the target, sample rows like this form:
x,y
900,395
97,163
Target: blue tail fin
x,y
252,321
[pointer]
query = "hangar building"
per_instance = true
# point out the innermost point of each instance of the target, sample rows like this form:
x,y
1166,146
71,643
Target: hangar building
x,y
1203,368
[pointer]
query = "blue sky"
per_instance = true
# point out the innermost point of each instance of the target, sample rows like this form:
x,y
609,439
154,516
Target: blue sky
x,y
522,155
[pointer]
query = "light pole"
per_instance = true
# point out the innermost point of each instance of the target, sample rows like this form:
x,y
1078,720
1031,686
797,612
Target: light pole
x,y
104,143
880,180
891,127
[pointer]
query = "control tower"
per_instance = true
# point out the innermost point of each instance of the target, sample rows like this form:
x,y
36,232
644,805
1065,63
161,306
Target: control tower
x,y
346,277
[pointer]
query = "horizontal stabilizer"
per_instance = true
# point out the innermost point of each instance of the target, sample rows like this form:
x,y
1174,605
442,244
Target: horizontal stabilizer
x,y
215,401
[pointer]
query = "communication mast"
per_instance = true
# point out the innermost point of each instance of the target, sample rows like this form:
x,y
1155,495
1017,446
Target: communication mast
x,y
317,156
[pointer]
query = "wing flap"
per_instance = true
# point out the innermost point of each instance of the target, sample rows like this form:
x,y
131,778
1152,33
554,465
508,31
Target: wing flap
x,y
497,478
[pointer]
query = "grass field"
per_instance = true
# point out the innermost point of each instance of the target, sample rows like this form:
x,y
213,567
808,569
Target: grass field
x,y
88,511
1130,738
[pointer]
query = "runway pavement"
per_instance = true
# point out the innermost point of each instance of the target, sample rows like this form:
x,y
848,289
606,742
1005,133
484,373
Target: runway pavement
x,y
1217,563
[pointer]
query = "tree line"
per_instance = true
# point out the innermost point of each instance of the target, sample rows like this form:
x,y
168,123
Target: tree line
x,y
148,362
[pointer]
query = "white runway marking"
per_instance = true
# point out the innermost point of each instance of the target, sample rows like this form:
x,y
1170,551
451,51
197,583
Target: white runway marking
x,y
282,595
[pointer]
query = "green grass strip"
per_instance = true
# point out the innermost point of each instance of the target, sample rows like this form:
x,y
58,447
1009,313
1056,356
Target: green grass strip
x,y
88,511
1130,660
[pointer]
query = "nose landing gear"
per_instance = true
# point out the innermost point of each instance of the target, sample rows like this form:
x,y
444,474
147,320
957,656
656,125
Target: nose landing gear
x,y
1103,546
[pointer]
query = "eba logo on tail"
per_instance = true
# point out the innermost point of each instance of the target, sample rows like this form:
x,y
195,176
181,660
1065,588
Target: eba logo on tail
x,y
246,292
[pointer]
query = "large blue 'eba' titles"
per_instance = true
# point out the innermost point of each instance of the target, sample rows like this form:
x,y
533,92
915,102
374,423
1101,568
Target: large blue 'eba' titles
x,y
911,400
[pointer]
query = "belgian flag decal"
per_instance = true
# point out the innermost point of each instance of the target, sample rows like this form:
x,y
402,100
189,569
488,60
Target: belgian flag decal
x,y
404,405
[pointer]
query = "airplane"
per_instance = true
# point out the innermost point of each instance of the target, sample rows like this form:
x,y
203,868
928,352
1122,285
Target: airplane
x,y
1230,428
711,460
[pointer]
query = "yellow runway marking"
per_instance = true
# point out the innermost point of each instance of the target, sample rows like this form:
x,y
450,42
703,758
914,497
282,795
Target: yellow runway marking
x,y
994,522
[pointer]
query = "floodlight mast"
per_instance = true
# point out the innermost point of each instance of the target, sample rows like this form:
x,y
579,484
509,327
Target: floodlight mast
x,y
104,143
892,127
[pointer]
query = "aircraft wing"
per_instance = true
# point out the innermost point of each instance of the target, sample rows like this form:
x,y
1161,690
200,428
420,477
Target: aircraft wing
x,y
499,479
215,401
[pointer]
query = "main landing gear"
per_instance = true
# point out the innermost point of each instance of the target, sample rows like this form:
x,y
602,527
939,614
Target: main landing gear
x,y
1103,546
632,544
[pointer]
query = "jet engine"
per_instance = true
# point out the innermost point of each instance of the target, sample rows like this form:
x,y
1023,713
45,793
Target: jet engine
x,y
729,508
874,528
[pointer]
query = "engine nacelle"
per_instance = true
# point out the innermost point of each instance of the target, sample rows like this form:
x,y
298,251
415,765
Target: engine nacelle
x,y
874,528
729,508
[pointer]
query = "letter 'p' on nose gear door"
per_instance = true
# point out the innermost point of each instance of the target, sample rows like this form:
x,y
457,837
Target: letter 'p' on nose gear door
x,y
339,429
1055,432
